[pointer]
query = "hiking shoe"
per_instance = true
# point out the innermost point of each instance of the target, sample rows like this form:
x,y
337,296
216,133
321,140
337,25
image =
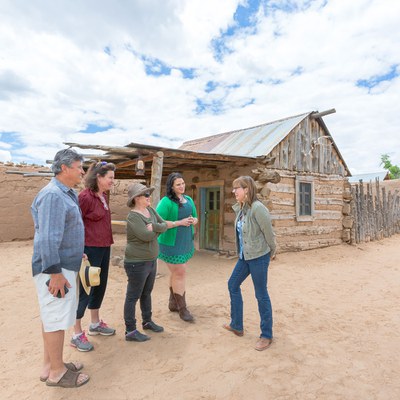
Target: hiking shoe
x,y
101,329
153,327
82,343
136,336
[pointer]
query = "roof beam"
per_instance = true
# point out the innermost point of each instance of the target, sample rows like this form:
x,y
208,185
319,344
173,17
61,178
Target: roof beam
x,y
322,113
134,161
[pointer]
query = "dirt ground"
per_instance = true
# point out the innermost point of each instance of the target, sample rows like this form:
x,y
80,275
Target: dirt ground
x,y
336,332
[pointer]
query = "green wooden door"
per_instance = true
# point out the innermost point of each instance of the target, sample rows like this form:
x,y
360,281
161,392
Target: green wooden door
x,y
210,226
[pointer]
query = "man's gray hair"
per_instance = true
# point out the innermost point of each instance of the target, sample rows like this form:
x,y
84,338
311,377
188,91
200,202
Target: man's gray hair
x,y
66,157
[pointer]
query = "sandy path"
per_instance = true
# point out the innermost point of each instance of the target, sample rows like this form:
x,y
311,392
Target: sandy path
x,y
337,324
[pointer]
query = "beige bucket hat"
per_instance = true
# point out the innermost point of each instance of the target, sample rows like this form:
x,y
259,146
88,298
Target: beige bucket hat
x,y
90,276
137,189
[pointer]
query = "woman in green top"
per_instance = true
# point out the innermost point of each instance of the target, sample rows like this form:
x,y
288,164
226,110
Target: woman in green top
x,y
143,227
176,245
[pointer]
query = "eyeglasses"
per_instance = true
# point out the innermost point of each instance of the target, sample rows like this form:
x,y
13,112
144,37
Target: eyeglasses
x,y
146,195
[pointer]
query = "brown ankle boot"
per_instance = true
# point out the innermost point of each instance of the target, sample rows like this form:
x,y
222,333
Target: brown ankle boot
x,y
172,302
183,311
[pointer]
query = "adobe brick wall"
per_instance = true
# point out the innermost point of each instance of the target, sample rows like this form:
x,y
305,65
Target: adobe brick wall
x,y
17,193
16,196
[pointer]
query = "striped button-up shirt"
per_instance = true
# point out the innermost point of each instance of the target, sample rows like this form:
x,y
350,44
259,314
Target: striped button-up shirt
x,y
59,231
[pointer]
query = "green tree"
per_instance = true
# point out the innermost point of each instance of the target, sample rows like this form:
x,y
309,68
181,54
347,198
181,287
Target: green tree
x,y
394,170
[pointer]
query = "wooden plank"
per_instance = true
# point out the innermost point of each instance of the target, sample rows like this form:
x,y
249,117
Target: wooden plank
x,y
328,201
315,115
308,230
16,172
281,188
309,245
278,202
328,215
130,163
299,155
40,174
327,190
118,223
156,176
31,174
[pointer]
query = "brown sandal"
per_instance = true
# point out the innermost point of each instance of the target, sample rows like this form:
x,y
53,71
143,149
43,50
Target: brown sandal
x,y
71,366
68,380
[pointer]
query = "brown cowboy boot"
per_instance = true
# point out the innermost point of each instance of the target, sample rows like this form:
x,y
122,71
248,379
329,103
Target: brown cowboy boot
x,y
172,302
183,311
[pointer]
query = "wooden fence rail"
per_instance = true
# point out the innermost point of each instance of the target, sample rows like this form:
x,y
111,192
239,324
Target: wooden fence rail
x,y
376,213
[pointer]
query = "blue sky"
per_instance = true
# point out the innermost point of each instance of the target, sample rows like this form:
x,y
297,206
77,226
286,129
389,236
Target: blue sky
x,y
162,72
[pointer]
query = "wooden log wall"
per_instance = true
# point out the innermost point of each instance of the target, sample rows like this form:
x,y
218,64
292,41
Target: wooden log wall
x,y
326,227
308,149
376,212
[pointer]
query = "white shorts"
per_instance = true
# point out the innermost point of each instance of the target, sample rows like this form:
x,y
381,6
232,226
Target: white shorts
x,y
57,314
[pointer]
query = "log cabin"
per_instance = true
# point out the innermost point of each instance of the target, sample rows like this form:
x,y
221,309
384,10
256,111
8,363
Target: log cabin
x,y
300,175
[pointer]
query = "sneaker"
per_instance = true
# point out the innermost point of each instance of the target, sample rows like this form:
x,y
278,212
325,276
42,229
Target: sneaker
x,y
153,327
101,329
136,336
82,343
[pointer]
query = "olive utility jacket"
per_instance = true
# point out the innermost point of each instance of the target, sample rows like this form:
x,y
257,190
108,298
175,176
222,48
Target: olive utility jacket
x,y
258,235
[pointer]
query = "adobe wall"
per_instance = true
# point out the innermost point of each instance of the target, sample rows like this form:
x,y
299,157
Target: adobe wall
x,y
17,193
16,196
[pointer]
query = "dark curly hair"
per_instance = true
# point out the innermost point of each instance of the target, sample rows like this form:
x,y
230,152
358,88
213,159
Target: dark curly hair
x,y
169,190
101,168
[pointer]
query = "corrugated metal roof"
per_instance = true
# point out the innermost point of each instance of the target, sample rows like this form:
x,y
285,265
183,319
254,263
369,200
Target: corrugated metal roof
x,y
368,177
250,142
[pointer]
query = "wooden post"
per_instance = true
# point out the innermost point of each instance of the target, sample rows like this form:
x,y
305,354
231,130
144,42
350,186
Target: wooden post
x,y
156,176
385,219
353,205
370,211
378,211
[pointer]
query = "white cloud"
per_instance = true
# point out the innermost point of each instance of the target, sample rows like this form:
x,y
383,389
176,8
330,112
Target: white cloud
x,y
56,77
5,156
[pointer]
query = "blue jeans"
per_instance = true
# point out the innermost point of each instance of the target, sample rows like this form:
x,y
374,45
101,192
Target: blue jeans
x,y
258,269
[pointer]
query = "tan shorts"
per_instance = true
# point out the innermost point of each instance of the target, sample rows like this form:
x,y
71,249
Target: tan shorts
x,y
57,314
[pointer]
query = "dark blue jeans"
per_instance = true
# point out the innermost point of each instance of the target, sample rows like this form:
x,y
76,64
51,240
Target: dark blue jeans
x,y
98,257
141,277
258,269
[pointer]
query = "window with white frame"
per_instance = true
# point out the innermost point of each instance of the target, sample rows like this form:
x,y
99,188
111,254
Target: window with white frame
x,y
304,198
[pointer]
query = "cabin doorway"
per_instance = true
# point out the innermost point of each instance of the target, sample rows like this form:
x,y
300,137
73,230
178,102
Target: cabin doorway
x,y
210,217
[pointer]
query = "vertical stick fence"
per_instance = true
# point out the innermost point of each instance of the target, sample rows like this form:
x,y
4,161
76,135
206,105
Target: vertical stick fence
x,y
376,213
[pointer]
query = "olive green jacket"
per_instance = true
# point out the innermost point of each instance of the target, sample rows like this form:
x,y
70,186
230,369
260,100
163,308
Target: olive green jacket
x,y
142,244
258,235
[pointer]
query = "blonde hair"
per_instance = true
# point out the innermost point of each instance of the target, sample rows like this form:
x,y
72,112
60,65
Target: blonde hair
x,y
247,182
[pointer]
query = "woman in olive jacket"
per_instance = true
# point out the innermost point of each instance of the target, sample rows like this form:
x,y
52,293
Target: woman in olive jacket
x,y
144,225
255,243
